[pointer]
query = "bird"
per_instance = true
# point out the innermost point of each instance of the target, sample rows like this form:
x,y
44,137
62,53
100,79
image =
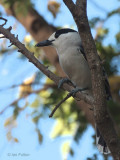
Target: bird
x,y
73,61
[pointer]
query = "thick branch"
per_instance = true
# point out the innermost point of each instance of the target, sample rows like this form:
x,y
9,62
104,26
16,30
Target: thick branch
x,y
101,114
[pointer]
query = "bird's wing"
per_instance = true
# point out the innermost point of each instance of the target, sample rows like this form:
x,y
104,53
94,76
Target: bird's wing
x,y
82,51
107,86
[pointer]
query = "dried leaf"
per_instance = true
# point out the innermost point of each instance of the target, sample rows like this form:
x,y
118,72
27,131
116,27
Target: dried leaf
x,y
16,140
53,7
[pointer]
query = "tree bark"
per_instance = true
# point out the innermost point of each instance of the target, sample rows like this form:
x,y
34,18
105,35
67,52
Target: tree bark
x,y
101,114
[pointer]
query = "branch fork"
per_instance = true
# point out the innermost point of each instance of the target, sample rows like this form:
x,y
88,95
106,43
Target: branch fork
x,y
30,55
100,105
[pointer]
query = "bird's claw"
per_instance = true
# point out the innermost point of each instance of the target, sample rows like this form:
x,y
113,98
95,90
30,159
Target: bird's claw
x,y
64,80
74,91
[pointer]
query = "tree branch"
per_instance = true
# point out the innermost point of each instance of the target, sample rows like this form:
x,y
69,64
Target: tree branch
x,y
14,40
101,114
33,22
27,94
58,105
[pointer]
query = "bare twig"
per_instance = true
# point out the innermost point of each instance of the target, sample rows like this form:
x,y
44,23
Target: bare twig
x,y
10,45
62,101
27,94
17,85
58,105
4,20
40,66
30,84
10,105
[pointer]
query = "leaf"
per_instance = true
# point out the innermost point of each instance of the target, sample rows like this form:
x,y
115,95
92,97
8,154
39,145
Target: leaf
x,y
36,118
101,32
49,81
16,140
118,38
26,87
9,136
7,122
40,136
53,7
36,103
16,110
65,149
71,152
63,129
28,38
10,121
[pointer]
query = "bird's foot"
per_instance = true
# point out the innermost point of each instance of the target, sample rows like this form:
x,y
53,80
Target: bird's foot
x,y
64,80
74,91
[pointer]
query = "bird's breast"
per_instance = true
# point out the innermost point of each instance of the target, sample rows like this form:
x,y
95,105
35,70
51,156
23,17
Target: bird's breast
x,y
76,67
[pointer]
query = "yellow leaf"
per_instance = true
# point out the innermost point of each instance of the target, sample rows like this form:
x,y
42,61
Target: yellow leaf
x,y
60,128
7,122
49,81
65,149
26,88
44,94
10,121
9,136
30,80
28,38
35,104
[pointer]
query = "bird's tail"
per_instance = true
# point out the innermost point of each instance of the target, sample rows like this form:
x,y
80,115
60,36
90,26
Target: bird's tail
x,y
101,144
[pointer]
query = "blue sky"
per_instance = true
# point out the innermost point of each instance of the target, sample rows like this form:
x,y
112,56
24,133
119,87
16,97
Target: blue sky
x,y
14,71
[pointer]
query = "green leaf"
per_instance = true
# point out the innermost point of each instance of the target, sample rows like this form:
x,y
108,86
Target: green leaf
x,y
36,103
118,38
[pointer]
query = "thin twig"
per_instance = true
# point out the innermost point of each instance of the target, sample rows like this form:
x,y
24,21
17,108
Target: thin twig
x,y
27,94
17,85
4,20
58,105
30,84
14,40
10,105
10,45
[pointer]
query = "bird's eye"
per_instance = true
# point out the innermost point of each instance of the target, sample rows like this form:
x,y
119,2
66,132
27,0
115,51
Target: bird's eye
x,y
57,35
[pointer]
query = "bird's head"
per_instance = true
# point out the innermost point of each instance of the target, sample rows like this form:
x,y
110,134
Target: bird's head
x,y
61,38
